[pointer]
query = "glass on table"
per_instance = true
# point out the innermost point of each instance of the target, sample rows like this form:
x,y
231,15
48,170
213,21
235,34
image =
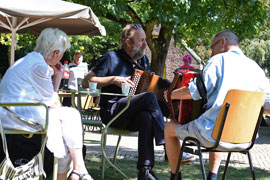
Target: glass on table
x,y
125,88
92,86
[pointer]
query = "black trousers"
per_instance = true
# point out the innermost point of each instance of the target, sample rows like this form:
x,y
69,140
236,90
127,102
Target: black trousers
x,y
143,115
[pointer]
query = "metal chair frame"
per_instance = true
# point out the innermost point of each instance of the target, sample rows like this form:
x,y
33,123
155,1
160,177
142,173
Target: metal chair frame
x,y
111,130
30,134
106,129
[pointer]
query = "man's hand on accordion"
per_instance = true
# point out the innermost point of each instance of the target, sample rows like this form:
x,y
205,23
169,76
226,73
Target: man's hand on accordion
x,y
118,80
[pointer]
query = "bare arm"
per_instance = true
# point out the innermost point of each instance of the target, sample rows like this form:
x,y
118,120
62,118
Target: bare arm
x,y
266,111
266,105
181,93
105,81
57,76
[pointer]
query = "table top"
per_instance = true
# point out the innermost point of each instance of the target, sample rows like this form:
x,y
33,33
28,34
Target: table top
x,y
64,92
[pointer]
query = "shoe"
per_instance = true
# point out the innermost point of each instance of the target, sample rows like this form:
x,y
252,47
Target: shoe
x,y
178,178
81,176
146,174
165,155
187,158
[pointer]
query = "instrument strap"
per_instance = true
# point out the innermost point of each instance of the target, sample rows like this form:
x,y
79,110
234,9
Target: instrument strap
x,y
202,90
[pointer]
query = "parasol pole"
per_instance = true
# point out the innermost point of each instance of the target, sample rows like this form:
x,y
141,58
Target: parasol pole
x,y
13,41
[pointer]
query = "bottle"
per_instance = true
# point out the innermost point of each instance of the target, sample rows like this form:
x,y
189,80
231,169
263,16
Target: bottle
x,y
65,76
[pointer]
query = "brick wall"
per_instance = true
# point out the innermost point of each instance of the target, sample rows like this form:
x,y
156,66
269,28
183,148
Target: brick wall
x,y
174,60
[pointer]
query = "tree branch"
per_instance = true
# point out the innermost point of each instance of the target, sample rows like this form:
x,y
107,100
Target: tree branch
x,y
149,26
150,3
113,18
236,9
134,16
193,53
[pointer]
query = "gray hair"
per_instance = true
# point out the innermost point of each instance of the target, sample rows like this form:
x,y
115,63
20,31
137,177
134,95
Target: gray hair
x,y
51,39
230,36
126,33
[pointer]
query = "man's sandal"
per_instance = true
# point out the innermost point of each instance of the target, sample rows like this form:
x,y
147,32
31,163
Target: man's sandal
x,y
81,176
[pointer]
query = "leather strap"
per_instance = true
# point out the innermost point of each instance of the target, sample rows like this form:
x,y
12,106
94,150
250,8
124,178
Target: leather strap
x,y
202,90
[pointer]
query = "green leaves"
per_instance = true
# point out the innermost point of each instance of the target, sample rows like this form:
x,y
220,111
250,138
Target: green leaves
x,y
258,49
194,21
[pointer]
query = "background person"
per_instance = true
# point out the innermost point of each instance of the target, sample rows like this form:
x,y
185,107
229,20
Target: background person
x,y
77,60
220,74
29,80
144,114
187,59
78,69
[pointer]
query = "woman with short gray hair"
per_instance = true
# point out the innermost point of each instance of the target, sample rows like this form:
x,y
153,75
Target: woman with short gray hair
x,y
29,80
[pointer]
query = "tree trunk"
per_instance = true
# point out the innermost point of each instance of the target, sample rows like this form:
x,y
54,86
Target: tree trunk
x,y
159,49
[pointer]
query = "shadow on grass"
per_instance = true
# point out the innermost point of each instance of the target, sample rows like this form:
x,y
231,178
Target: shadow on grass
x,y
162,171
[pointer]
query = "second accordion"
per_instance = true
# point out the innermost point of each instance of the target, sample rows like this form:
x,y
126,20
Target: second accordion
x,y
187,110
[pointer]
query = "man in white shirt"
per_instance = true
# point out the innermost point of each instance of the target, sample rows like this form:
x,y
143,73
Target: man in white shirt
x,y
222,72
78,69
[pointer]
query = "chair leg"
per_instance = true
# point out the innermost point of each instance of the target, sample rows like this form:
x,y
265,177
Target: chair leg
x,y
117,148
105,158
55,168
226,166
251,166
201,161
180,158
103,164
178,163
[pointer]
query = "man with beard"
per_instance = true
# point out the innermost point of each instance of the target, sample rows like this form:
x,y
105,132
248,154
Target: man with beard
x,y
144,114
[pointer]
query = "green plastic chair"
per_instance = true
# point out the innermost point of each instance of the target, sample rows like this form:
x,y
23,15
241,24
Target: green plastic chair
x,y
93,120
110,130
28,134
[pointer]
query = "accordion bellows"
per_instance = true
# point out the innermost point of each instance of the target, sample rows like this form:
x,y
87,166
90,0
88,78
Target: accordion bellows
x,y
144,82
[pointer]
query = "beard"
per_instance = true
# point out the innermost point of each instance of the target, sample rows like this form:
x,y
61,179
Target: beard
x,y
137,53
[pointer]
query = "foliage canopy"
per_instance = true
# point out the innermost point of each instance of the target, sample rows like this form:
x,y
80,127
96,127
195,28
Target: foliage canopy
x,y
191,22
184,20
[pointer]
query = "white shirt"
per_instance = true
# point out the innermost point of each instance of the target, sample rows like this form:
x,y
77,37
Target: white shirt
x,y
76,71
27,80
229,70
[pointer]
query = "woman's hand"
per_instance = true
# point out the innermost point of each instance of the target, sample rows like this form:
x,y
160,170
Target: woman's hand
x,y
57,69
57,75
56,104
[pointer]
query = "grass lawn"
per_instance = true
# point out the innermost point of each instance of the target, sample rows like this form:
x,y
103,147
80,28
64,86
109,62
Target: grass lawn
x,y
189,171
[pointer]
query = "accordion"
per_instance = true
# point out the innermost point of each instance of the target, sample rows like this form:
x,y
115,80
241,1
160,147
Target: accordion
x,y
187,110
144,82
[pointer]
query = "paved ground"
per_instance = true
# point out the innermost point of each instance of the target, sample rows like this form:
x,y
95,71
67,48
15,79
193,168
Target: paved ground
x,y
128,149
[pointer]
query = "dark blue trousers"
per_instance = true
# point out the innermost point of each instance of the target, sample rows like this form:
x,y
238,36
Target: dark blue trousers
x,y
143,115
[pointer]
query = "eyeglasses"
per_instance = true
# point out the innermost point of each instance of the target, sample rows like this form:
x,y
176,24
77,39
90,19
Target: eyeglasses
x,y
213,45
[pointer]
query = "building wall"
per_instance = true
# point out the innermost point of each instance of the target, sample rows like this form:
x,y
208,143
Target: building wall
x,y
174,60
